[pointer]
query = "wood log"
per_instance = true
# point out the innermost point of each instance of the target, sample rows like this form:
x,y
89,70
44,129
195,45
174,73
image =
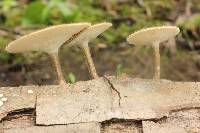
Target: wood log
x,y
106,104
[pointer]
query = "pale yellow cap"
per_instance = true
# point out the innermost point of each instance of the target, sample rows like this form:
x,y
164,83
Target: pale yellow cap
x,y
91,33
154,34
47,40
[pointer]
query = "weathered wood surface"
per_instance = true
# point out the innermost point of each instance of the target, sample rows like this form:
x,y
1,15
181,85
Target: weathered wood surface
x,y
182,121
82,102
18,99
92,106
25,124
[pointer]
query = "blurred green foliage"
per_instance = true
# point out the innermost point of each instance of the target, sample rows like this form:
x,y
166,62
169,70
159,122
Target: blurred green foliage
x,y
191,22
126,16
119,70
71,78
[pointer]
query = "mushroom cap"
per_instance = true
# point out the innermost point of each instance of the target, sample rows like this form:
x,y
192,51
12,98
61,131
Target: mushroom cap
x,y
152,35
90,33
46,40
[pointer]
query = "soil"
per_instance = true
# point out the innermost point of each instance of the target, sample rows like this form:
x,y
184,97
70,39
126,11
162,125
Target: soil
x,y
135,62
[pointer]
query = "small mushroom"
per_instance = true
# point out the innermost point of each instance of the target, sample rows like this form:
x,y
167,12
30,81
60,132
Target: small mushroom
x,y
154,36
83,39
48,40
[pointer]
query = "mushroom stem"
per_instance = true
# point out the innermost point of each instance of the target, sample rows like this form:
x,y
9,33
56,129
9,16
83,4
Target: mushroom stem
x,y
56,63
90,63
157,60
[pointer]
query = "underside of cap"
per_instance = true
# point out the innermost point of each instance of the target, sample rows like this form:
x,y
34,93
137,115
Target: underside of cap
x,y
91,33
152,35
46,40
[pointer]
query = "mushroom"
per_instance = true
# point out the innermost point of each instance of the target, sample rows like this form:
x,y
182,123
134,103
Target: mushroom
x,y
48,40
154,36
83,39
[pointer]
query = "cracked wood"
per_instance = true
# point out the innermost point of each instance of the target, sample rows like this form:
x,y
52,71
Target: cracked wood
x,y
94,100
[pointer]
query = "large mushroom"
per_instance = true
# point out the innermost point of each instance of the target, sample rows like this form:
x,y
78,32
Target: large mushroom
x,y
48,40
83,39
154,36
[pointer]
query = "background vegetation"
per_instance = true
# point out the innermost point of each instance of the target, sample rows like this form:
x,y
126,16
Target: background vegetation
x,y
180,59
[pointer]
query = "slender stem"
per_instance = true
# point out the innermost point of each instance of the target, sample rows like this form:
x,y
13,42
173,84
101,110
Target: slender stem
x,y
56,63
90,63
188,7
157,60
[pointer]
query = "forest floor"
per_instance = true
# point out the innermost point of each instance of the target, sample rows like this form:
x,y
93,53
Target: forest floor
x,y
180,59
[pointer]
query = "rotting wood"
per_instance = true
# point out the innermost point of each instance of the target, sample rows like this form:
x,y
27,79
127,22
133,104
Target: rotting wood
x,y
82,102
18,99
152,127
25,124
157,103
121,126
182,121
153,99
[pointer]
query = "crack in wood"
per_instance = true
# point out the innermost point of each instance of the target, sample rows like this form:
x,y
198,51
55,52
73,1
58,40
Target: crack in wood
x,y
14,114
113,88
174,97
182,109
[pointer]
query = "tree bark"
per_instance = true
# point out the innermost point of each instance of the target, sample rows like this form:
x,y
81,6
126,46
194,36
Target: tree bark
x,y
106,104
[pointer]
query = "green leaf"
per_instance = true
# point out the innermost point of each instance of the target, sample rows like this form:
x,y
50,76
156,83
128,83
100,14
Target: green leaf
x,y
45,13
119,69
33,13
3,43
64,9
68,11
7,5
4,56
71,78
